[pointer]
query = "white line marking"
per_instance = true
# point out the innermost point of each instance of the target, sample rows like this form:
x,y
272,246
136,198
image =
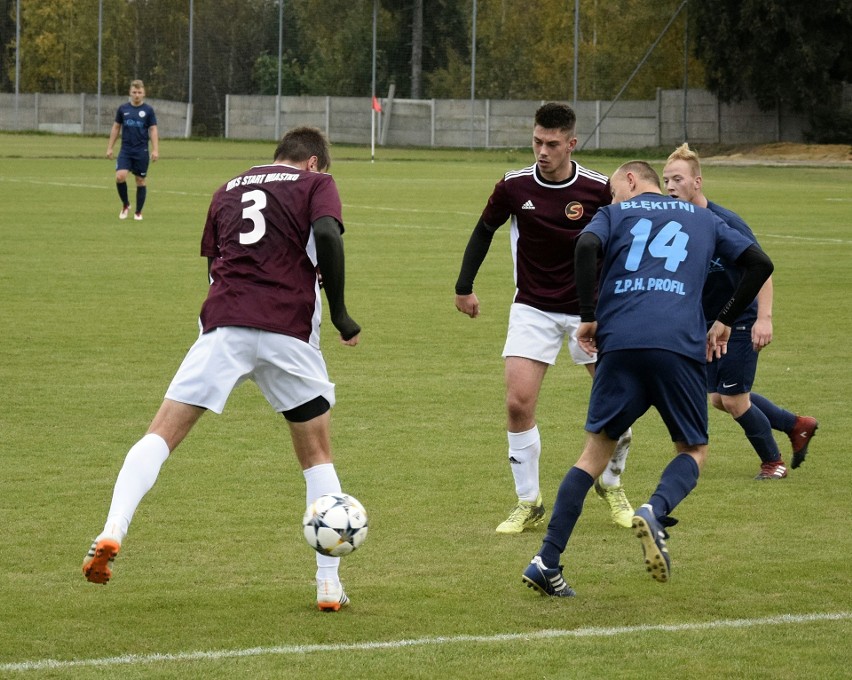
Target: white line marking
x,y
136,659
809,239
105,186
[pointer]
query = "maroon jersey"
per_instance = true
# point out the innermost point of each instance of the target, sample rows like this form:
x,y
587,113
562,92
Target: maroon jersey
x,y
259,233
546,218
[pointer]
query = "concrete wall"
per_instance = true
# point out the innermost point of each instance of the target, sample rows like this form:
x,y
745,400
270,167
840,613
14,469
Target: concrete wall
x,y
78,113
711,121
431,122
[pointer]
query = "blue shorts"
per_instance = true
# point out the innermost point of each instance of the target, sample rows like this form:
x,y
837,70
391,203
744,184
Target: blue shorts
x,y
136,162
734,372
628,382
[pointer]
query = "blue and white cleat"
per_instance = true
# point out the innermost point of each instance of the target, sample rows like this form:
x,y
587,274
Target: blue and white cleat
x,y
650,532
546,581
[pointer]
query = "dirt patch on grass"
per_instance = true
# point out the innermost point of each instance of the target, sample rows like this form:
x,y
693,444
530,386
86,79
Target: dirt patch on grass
x,y
783,153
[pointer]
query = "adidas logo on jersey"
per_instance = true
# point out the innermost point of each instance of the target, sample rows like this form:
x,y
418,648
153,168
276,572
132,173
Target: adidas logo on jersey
x,y
528,206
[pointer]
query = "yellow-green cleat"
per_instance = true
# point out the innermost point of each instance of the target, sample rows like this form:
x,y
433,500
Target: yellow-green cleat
x,y
619,506
525,515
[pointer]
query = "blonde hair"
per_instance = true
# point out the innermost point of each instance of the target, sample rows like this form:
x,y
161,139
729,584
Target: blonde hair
x,y
137,84
684,153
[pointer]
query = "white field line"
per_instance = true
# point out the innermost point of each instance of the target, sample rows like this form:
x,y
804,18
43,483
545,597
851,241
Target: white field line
x,y
349,206
807,239
285,650
374,208
105,186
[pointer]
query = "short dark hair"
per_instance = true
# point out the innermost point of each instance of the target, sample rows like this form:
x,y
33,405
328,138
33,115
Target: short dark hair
x,y
556,116
643,170
300,143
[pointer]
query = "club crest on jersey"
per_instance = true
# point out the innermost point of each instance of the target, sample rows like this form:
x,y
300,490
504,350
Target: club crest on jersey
x,y
574,210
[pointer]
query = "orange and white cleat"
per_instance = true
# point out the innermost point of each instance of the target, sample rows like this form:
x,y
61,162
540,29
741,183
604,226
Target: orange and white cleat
x,y
330,595
96,566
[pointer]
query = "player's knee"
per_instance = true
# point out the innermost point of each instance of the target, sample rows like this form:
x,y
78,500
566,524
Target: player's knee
x,y
519,408
307,411
735,404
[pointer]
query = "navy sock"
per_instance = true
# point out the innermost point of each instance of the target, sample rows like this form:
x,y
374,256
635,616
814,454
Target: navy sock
x,y
758,431
780,419
141,193
566,511
122,193
678,479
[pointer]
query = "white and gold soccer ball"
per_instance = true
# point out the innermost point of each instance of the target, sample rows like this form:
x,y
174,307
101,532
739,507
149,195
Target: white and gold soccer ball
x,y
335,524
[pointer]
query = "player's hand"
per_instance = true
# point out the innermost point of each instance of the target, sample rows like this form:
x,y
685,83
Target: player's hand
x,y
468,304
350,331
717,340
761,334
154,156
586,336
109,153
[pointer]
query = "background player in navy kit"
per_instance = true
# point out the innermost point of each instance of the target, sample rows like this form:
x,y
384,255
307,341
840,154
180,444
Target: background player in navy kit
x,y
548,203
137,122
730,377
649,331
269,233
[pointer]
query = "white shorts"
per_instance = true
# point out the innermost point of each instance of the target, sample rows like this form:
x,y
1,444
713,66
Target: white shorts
x,y
288,372
538,335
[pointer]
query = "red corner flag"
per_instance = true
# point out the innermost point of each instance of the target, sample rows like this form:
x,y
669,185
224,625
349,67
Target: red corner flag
x,y
376,105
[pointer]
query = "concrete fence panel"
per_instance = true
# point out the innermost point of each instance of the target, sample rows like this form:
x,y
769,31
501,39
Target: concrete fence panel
x,y
431,123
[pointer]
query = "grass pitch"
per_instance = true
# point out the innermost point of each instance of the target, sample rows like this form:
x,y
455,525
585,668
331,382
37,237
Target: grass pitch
x,y
215,580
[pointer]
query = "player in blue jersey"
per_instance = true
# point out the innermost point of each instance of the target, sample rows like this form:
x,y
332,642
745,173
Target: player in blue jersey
x,y
649,333
547,204
137,123
730,378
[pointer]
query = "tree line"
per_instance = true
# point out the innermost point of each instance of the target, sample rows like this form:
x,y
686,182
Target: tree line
x,y
779,52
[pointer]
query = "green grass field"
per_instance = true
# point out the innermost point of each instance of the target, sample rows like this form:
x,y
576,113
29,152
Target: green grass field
x,y
215,580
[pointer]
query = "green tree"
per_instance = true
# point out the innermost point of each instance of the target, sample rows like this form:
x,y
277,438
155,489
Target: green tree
x,y
7,45
780,53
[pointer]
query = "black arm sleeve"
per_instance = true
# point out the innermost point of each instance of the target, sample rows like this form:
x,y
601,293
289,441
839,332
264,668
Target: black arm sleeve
x,y
586,253
329,243
757,267
474,255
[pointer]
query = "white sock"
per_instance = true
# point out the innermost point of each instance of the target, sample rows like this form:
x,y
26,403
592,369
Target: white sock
x,y
319,480
612,474
138,474
524,452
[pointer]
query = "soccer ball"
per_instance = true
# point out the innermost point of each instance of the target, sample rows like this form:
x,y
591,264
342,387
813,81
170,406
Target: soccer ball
x,y
335,524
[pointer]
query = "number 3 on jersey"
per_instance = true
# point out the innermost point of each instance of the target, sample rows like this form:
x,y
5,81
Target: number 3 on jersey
x,y
669,244
257,201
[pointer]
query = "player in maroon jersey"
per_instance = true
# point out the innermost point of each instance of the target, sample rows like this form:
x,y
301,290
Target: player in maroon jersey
x,y
272,236
548,204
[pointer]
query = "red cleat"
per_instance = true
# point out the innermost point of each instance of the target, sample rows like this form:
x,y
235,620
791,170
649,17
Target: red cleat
x,y
800,437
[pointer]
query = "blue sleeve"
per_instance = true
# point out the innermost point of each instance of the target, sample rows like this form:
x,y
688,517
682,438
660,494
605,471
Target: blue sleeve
x,y
599,225
733,220
152,117
730,243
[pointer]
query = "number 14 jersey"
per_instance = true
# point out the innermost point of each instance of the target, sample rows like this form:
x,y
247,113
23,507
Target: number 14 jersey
x,y
656,256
